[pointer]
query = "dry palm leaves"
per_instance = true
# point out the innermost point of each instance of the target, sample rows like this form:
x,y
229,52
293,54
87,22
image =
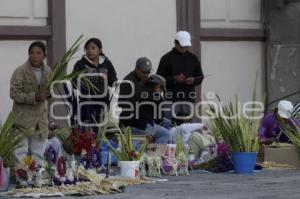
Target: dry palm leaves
x,y
82,189
107,186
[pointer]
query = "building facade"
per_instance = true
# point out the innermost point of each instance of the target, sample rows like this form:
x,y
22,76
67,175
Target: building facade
x,y
228,36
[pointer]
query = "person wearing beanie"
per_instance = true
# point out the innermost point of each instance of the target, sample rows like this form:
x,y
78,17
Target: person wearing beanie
x,y
136,113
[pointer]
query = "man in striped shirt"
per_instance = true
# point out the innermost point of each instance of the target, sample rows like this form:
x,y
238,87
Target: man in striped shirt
x,y
296,111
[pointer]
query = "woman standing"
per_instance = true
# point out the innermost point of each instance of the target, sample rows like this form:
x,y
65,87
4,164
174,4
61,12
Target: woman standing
x,y
29,102
101,73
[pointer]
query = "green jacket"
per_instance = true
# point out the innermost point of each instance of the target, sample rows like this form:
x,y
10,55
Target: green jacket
x,y
30,115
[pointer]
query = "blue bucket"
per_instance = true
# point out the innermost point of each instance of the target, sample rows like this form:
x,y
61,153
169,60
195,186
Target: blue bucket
x,y
244,162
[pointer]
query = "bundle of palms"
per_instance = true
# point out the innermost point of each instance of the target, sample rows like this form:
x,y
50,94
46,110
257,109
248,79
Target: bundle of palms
x,y
180,147
126,151
10,140
292,132
238,131
63,135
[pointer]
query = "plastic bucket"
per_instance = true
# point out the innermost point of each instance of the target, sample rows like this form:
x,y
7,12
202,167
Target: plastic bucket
x,y
104,153
129,169
244,162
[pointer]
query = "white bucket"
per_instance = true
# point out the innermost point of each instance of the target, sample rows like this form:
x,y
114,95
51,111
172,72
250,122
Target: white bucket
x,y
129,169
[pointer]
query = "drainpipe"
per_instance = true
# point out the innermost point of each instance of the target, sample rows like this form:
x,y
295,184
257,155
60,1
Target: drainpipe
x,y
265,11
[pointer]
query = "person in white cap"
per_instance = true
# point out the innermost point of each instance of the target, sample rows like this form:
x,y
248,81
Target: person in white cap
x,y
270,129
182,71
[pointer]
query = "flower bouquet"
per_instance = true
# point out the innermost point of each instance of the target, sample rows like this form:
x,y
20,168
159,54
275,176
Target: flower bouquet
x,y
85,144
28,174
221,163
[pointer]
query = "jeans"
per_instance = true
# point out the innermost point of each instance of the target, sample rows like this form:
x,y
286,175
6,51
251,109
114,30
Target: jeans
x,y
161,135
34,145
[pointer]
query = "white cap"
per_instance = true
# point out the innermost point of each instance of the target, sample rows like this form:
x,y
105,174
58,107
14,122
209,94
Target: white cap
x,y
184,38
285,109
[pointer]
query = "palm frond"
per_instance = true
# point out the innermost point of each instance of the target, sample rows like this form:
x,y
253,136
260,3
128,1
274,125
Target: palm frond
x,y
59,71
292,131
238,131
10,140
63,135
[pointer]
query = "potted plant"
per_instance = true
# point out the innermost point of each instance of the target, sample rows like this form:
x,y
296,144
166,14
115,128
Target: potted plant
x,y
127,156
238,131
10,140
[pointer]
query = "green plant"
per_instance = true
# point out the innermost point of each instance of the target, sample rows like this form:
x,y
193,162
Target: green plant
x,y
63,135
180,148
292,132
126,151
10,140
238,131
59,71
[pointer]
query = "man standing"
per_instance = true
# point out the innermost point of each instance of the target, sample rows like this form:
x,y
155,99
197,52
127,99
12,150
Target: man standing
x,y
182,71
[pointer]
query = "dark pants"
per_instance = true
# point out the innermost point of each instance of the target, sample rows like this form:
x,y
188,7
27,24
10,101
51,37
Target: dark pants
x,y
91,114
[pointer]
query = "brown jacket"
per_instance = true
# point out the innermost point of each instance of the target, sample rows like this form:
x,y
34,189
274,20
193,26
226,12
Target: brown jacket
x,y
30,115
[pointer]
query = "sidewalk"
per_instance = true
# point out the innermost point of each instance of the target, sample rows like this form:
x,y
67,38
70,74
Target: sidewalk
x,y
268,184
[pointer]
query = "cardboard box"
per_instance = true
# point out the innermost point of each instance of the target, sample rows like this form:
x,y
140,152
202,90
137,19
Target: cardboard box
x,y
283,154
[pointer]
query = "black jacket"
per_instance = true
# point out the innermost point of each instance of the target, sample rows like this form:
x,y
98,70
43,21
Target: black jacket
x,y
126,89
173,63
105,66
143,95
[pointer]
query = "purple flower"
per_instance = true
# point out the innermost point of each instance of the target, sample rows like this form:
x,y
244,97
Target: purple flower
x,y
50,155
222,149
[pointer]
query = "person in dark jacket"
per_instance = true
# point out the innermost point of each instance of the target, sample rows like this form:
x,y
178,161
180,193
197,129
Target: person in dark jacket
x,y
131,89
135,99
182,71
101,73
